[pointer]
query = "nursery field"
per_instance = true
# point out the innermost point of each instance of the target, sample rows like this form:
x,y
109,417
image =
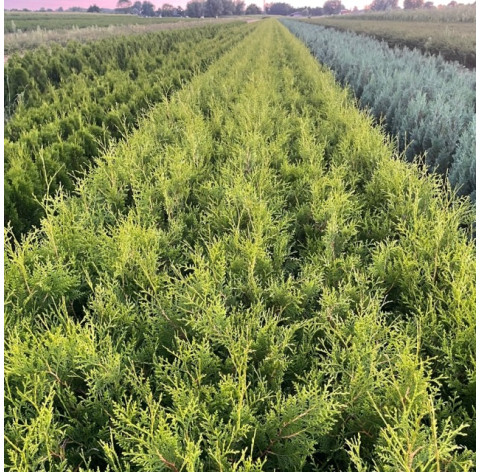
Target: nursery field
x,y
456,14
66,104
247,277
426,103
21,41
451,34
31,21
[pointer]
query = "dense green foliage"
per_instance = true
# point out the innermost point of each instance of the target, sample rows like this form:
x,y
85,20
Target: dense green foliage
x,y
463,171
454,41
30,21
427,103
249,282
67,103
214,8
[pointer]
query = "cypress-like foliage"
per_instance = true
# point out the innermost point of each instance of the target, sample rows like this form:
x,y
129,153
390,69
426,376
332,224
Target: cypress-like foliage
x,y
426,103
68,103
250,282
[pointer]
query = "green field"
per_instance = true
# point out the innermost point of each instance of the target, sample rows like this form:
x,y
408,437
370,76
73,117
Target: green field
x,y
21,42
457,14
449,33
31,21
248,277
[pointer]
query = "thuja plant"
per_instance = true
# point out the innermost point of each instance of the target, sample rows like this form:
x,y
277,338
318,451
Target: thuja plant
x,y
250,282
463,171
428,104
67,104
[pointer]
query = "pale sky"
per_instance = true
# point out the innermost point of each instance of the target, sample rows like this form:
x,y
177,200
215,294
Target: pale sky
x,y
54,4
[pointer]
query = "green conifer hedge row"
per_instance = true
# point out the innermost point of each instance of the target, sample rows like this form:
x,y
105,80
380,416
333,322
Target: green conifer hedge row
x,y
69,102
428,104
250,282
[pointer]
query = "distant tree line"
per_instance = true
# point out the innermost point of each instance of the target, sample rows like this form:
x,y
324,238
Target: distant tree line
x,y
334,7
214,8
139,8
385,5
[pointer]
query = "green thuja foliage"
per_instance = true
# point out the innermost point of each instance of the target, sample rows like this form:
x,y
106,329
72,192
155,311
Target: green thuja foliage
x,y
65,105
252,281
411,437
